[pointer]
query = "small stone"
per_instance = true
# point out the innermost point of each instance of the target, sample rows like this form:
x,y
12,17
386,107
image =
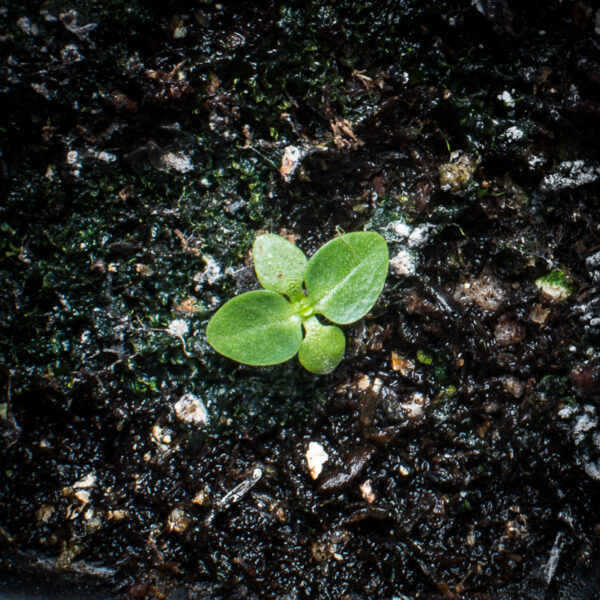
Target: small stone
x,y
403,263
94,521
176,28
408,409
404,470
117,515
507,98
191,409
82,496
70,54
201,498
513,386
508,331
420,235
289,162
74,511
366,490
178,521
415,406
25,25
86,482
402,364
539,315
316,457
72,157
121,101
143,270
487,291
161,437
402,229
457,174
177,161
368,398
470,539
44,513
363,383
514,134
189,306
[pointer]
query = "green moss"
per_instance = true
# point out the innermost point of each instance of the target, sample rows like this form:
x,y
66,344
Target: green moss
x,y
424,357
555,285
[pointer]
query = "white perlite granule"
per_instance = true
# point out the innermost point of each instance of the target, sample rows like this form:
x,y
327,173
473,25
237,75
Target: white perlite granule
x,y
191,409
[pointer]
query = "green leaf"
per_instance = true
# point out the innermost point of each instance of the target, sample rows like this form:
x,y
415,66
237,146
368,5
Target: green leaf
x,y
256,328
322,348
345,277
279,265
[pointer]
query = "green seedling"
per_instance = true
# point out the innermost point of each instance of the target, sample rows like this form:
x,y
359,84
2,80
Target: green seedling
x,y
341,281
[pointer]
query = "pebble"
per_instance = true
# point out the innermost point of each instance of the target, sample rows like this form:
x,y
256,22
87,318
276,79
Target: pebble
x,y
402,364
513,386
420,235
409,409
403,263
457,174
290,160
401,229
44,513
487,291
25,25
82,496
514,134
117,515
177,161
86,482
507,98
191,409
178,521
201,498
508,331
539,315
366,490
176,28
316,457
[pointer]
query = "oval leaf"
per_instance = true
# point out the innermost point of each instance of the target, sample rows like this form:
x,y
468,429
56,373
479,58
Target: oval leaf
x,y
322,349
345,277
279,265
256,328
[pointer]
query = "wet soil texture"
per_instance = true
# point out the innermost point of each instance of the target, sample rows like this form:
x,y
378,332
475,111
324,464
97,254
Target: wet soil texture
x,y
143,145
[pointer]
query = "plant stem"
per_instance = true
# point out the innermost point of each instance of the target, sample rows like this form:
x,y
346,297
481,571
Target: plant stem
x,y
311,324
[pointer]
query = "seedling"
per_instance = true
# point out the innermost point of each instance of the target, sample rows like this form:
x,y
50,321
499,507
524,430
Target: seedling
x,y
341,281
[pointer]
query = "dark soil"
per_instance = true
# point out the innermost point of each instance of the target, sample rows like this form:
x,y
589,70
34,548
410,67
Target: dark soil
x,y
141,148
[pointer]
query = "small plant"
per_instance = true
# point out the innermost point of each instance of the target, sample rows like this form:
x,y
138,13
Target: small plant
x,y
341,281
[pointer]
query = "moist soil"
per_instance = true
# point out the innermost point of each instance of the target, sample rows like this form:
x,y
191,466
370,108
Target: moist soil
x,y
143,146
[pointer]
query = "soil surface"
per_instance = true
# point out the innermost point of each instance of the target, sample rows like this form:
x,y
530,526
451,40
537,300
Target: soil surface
x,y
143,145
